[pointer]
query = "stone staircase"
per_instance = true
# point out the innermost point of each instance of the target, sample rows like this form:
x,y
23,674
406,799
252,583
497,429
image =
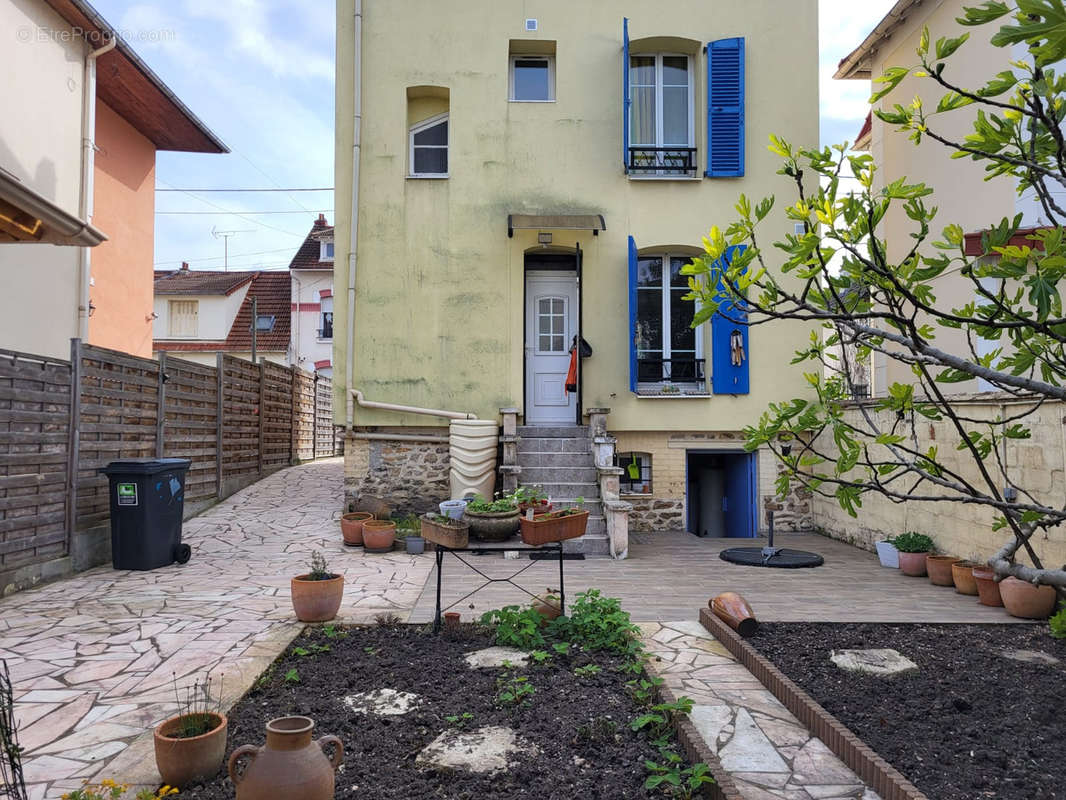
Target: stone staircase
x,y
560,460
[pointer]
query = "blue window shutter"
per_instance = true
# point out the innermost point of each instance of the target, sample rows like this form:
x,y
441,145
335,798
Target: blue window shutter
x,y
632,314
626,99
726,325
725,108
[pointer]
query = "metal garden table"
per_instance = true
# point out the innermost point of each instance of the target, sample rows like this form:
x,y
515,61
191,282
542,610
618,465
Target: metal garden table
x,y
495,547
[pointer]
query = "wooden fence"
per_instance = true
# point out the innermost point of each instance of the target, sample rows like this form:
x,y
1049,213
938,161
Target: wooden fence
x,y
61,421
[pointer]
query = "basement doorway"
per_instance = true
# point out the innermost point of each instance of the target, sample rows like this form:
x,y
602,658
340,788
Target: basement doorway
x,y
722,494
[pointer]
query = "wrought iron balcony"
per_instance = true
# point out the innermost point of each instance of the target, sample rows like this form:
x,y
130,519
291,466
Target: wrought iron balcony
x,y
662,160
673,370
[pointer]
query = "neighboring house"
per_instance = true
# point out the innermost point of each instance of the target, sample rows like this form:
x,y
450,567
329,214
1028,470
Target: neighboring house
x,y
961,193
312,300
83,119
201,313
529,177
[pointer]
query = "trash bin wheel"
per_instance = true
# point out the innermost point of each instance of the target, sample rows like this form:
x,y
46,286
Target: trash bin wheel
x,y
183,554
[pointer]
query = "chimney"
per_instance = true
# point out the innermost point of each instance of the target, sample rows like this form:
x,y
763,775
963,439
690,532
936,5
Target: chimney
x,y
185,265
321,221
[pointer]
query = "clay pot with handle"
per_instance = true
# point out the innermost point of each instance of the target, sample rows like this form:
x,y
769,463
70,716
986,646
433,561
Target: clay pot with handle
x,y
290,766
735,611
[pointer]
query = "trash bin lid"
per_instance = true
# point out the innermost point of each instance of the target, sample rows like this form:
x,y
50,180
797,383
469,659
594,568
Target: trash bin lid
x,y
145,466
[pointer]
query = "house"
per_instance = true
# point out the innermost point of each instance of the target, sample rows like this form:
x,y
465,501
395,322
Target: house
x,y
526,181
78,144
961,192
201,313
311,271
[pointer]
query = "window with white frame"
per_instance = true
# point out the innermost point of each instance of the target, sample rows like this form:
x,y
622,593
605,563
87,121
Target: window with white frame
x,y
325,251
669,349
636,472
325,330
662,126
183,319
532,79
429,148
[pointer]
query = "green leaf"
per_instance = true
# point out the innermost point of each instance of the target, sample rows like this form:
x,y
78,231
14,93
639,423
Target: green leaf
x,y
945,47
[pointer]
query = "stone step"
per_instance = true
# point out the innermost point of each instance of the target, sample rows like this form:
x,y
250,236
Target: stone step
x,y
532,460
541,476
568,492
554,431
593,545
553,444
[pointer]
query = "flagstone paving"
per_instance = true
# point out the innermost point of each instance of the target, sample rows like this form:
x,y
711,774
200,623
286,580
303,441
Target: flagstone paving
x,y
767,751
94,658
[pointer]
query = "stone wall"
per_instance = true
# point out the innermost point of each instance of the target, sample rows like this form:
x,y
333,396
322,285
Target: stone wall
x,y
411,477
1037,465
664,508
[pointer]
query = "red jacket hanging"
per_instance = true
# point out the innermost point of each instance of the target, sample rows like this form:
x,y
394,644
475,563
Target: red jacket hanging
x,y
571,374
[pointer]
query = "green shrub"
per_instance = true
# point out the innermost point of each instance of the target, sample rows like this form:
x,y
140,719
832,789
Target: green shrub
x,y
516,627
911,542
1058,624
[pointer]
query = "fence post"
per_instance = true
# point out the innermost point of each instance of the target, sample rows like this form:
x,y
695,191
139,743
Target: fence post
x,y
74,440
294,382
162,410
219,375
262,416
314,421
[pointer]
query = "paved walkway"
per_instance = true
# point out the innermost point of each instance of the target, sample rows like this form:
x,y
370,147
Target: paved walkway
x,y
94,658
670,576
767,751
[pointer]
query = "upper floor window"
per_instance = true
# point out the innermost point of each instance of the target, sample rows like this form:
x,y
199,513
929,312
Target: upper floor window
x,y
662,130
325,330
429,148
325,251
183,318
532,79
265,322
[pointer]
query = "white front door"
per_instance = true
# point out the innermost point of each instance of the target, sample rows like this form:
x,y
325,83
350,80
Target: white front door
x,y
551,323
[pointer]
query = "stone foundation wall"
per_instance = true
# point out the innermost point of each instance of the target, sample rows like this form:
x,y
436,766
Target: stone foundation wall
x,y
655,514
411,477
1037,465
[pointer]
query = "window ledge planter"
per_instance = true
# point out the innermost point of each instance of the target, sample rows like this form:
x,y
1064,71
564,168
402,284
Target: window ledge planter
x,y
555,527
454,534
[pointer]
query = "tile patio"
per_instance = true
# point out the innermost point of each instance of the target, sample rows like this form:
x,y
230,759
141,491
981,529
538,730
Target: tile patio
x,y
93,657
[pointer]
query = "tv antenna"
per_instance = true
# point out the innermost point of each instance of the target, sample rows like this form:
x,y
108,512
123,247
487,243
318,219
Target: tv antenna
x,y
225,236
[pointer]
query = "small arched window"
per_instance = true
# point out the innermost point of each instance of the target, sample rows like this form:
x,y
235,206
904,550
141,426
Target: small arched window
x,y
429,148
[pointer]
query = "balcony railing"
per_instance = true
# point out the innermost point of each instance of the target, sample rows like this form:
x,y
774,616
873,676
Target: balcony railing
x,y
674,370
662,160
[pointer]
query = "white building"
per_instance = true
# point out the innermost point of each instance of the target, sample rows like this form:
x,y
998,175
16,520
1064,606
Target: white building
x,y
311,271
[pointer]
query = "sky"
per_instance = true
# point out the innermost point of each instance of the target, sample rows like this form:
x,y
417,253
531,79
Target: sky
x,y
259,73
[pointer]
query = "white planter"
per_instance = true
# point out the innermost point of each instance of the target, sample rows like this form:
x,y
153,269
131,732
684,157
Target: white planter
x,y
888,554
472,449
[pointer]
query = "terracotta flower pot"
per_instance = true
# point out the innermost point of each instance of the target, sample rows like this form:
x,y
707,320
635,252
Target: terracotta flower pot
x,y
289,765
962,574
912,564
736,612
197,759
352,527
379,535
451,620
987,588
316,601
939,569
1026,601
547,605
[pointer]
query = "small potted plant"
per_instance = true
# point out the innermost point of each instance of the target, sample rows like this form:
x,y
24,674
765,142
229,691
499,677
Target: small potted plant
x,y
495,521
533,497
378,535
887,553
446,531
555,526
454,508
913,548
190,746
317,595
352,527
408,532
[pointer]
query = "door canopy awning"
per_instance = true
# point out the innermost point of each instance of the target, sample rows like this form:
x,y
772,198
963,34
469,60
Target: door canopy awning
x,y
28,216
559,222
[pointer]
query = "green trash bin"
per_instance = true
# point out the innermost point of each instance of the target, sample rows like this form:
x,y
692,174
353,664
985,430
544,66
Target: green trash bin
x,y
147,503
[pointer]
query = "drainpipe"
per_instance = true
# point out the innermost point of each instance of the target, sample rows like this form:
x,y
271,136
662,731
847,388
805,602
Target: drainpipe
x,y
299,297
357,396
88,165
357,97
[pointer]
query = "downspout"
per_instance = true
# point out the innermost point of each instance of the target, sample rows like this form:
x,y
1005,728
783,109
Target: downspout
x,y
88,166
299,297
357,396
357,97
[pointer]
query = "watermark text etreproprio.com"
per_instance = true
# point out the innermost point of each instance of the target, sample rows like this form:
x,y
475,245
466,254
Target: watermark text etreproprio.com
x,y
37,33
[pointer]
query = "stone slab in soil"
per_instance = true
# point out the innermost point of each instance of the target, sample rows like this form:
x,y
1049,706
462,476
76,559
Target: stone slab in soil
x,y
881,662
485,750
492,657
383,702
573,739
968,724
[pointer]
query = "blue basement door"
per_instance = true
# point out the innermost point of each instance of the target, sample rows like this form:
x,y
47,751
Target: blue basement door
x,y
740,504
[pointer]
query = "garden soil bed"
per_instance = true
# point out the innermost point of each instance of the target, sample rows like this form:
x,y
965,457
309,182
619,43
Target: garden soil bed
x,y
604,759
970,723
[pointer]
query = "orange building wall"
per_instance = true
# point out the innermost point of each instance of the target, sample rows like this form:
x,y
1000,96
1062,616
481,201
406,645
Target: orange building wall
x,y
124,199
